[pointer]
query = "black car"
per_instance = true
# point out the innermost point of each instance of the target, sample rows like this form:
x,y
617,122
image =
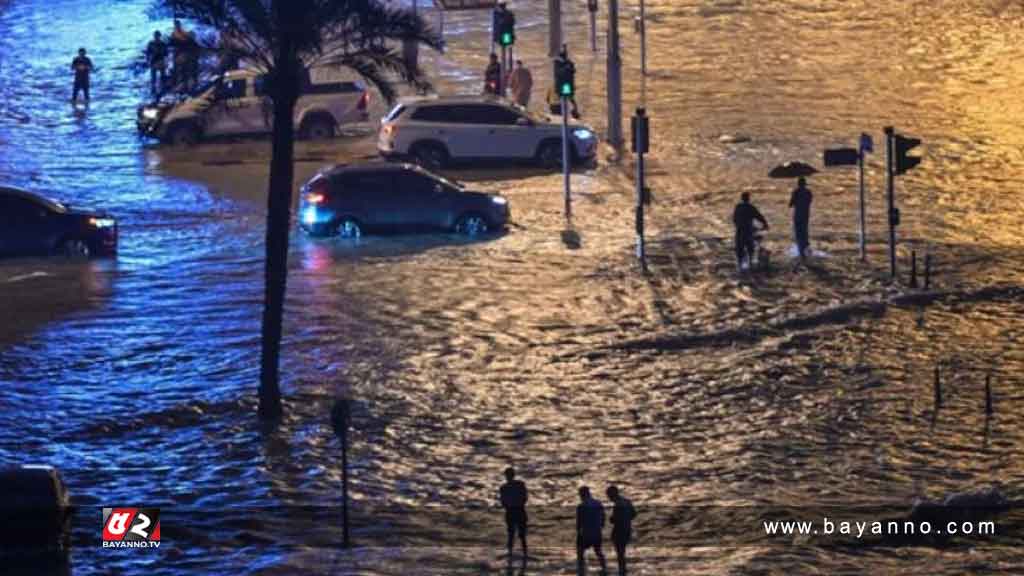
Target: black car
x,y
33,225
379,197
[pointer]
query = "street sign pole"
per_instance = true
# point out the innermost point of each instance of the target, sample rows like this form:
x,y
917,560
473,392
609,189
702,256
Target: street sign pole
x,y
565,156
891,199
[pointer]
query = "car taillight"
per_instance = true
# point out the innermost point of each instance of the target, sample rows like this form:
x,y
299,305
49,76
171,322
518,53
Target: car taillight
x,y
364,102
315,198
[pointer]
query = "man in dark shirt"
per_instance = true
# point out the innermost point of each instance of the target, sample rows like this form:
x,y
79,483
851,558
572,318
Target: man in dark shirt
x,y
82,67
622,525
492,76
589,525
800,202
743,217
156,57
513,499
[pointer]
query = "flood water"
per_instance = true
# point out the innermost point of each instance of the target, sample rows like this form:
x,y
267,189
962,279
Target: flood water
x,y
545,348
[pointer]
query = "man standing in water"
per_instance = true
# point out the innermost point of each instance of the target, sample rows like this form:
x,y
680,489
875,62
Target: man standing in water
x,y
492,76
521,84
589,525
82,67
513,499
800,202
156,57
743,217
622,525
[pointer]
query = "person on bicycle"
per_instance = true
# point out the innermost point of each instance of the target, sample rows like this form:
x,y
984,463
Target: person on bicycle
x,y
743,217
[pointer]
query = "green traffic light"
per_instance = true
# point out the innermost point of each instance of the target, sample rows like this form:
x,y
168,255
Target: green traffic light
x,y
506,39
566,89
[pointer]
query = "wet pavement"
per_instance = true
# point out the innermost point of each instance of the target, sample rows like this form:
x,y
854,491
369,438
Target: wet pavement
x,y
544,347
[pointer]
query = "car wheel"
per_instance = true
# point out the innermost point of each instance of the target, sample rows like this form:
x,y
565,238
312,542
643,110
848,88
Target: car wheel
x,y
549,154
349,228
472,225
74,249
183,135
318,128
428,155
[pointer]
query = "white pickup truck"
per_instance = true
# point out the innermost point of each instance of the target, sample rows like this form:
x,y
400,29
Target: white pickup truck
x,y
235,104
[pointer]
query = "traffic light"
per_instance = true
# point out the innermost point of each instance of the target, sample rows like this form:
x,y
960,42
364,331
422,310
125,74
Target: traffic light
x,y
504,26
565,77
902,145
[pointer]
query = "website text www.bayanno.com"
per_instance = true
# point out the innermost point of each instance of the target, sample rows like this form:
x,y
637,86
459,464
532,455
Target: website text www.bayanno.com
x,y
864,528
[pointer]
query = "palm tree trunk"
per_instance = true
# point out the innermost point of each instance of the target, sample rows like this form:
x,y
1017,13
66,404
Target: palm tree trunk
x,y
279,203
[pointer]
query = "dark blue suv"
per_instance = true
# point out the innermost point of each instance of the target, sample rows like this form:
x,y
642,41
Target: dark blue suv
x,y
350,201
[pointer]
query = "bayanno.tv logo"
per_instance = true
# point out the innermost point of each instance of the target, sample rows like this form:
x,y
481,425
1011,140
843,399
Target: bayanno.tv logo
x,y
131,527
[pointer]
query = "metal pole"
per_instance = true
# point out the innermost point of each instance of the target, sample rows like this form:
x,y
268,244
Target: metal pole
x,y
501,71
554,27
614,77
890,192
565,156
593,31
643,39
640,245
863,239
339,420
345,539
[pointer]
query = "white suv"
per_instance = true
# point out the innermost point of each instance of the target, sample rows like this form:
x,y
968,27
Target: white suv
x,y
437,131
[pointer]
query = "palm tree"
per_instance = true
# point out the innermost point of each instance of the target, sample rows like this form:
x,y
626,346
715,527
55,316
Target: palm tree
x,y
283,38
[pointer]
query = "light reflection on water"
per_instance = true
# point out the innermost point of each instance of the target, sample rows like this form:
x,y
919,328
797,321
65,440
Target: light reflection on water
x,y
463,357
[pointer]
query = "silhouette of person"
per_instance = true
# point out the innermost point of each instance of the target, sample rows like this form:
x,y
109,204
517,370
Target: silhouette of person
x,y
513,499
800,202
623,514
156,58
82,66
520,82
492,76
743,216
589,525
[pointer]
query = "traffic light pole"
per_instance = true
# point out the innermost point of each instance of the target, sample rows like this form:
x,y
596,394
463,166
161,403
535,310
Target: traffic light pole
x,y
565,156
614,77
641,248
891,198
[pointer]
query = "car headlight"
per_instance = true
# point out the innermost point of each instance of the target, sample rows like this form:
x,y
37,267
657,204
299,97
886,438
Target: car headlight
x,y
309,215
150,113
102,222
583,134
500,201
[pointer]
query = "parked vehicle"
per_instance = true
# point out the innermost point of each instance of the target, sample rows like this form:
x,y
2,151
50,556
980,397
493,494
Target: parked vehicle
x,y
350,201
33,225
235,104
439,131
36,508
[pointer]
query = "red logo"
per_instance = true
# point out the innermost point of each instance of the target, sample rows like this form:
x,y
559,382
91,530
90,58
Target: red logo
x,y
131,527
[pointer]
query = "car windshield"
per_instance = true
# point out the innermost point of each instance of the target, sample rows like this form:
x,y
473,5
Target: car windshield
x,y
449,182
